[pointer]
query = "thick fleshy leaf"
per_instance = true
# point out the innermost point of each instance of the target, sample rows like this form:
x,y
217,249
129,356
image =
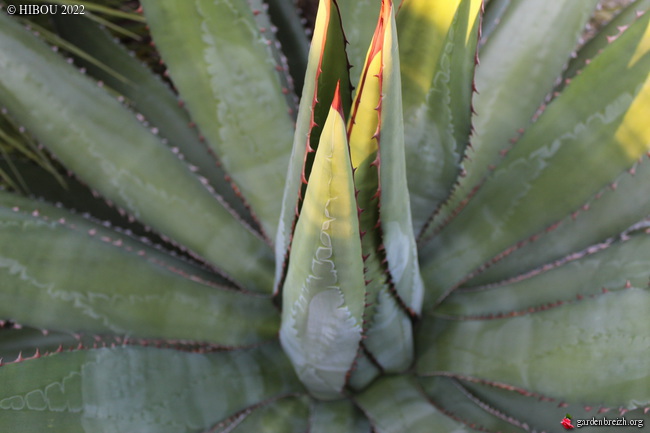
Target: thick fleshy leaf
x,y
139,389
238,105
590,352
621,265
605,133
397,405
293,37
359,22
520,63
540,413
121,158
437,55
595,45
287,415
609,213
62,272
23,341
459,403
337,416
323,293
152,99
327,69
372,135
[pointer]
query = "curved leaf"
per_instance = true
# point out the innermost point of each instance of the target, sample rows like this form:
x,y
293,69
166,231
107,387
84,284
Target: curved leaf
x,y
544,414
287,414
323,293
615,267
591,352
326,54
120,158
603,132
221,63
437,56
397,405
376,149
460,403
153,100
338,416
359,22
62,272
139,389
520,63
610,212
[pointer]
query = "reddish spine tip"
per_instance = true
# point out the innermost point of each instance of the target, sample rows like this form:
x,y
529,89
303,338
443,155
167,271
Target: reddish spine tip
x,y
336,101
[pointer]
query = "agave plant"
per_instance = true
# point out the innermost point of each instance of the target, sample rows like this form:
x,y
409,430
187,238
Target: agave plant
x,y
421,244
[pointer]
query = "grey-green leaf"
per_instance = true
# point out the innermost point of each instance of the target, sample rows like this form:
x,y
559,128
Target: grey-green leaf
x,y
63,272
238,105
514,76
121,158
589,352
137,389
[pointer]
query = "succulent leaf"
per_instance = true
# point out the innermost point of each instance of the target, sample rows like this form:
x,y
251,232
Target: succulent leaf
x,y
514,77
359,24
145,179
397,404
152,99
542,413
584,352
327,69
120,389
438,42
609,266
112,282
323,293
376,150
292,36
198,45
604,37
605,132
458,402
288,414
610,212
339,416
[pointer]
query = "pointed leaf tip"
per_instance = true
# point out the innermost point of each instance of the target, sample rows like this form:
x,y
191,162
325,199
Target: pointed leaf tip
x,y
336,101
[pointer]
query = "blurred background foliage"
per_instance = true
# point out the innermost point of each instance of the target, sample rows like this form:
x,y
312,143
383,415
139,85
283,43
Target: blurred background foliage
x,y
124,19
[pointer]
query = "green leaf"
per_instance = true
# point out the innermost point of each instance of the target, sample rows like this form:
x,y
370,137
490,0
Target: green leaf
x,y
520,63
604,37
603,267
62,272
139,389
609,213
544,414
220,62
397,405
337,416
292,35
590,352
327,68
323,293
120,158
459,403
603,132
437,55
23,341
286,414
376,151
359,22
152,99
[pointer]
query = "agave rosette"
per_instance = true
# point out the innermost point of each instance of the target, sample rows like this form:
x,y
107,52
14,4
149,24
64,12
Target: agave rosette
x,y
405,265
